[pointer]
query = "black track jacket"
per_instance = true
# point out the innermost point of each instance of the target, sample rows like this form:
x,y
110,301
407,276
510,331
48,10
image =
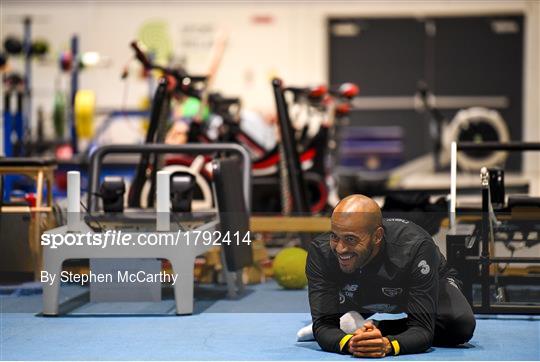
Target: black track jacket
x,y
403,277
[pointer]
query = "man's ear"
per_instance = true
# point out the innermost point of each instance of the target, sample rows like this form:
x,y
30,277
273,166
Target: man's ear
x,y
379,234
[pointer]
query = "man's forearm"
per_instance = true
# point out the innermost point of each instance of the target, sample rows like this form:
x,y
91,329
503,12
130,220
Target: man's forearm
x,y
413,340
329,337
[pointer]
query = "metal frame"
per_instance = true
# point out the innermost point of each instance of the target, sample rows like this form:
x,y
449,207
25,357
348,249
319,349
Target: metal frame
x,y
182,255
42,175
291,160
97,157
461,256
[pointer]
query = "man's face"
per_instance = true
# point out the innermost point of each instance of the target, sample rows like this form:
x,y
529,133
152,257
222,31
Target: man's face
x,y
352,244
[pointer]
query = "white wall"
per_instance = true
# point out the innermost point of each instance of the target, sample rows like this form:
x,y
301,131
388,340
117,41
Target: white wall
x,y
292,46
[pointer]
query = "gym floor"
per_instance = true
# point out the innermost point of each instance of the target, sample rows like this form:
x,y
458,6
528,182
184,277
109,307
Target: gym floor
x,y
260,325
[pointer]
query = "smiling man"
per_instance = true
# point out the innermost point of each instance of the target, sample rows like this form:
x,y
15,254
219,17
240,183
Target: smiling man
x,y
369,264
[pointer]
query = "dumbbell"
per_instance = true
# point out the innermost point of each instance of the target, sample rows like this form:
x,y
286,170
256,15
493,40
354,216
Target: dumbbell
x,y
14,46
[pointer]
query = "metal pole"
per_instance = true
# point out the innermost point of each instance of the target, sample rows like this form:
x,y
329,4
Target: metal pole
x,y
163,196
27,103
484,258
74,89
497,146
294,170
74,200
453,184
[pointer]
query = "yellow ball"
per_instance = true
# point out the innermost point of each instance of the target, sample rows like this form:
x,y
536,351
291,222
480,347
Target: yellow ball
x,y
290,268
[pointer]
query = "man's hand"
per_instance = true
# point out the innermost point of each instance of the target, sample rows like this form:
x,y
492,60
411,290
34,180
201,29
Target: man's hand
x,y
369,342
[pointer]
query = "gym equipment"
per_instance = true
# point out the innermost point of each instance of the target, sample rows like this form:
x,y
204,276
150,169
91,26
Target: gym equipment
x,y
322,105
77,108
234,200
478,124
38,208
516,225
496,182
292,180
65,61
16,138
12,45
202,192
289,268
234,217
314,156
323,144
182,184
316,112
13,126
59,114
266,183
74,87
27,92
327,114
173,82
25,145
13,122
112,191
40,47
474,124
84,109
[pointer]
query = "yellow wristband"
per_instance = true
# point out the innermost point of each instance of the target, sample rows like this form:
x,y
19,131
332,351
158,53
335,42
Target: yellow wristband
x,y
344,341
395,345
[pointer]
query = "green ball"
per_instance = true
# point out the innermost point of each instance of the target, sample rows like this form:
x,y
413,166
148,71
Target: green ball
x,y
290,268
190,108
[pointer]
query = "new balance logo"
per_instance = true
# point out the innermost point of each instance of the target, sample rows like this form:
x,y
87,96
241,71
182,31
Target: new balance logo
x,y
391,292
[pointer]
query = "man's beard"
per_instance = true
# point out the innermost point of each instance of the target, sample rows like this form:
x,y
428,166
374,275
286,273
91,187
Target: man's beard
x,y
359,260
